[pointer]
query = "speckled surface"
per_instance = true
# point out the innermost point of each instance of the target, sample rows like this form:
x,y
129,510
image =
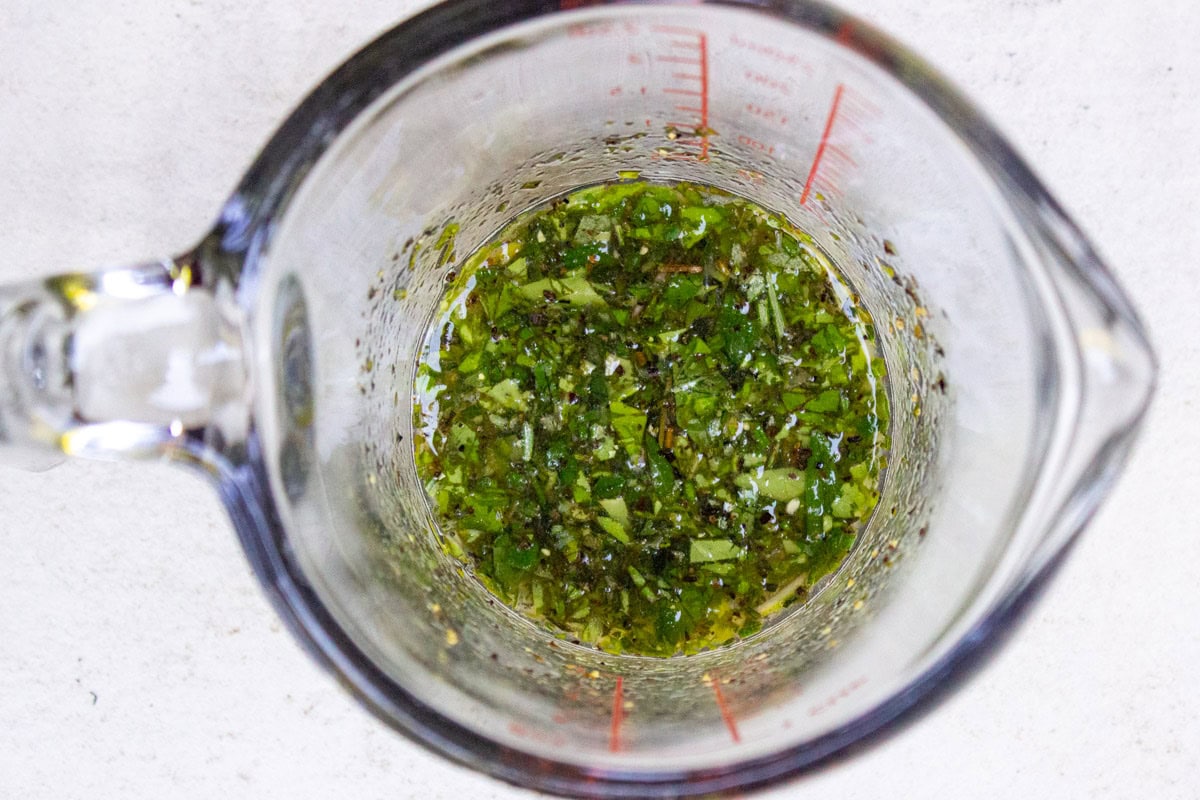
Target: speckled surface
x,y
139,657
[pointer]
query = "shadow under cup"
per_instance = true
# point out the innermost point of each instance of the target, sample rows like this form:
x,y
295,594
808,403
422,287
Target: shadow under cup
x,y
792,120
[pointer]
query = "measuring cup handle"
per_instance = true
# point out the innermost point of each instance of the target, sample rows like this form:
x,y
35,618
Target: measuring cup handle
x,y
124,363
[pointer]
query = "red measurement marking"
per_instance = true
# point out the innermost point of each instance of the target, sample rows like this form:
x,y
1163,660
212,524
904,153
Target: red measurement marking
x,y
762,79
726,714
816,164
676,30
754,176
690,83
782,56
537,735
842,155
770,114
755,144
618,716
837,697
595,29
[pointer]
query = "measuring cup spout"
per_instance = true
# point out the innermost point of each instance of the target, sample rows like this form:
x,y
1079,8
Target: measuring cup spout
x,y
129,362
1107,377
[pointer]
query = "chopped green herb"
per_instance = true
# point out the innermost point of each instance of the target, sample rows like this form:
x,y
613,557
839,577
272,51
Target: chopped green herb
x,y
650,417
778,484
714,550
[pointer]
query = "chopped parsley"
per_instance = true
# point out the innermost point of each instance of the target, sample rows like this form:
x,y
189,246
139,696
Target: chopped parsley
x,y
653,417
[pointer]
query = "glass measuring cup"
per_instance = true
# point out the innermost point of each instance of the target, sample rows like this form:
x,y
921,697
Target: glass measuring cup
x,y
263,314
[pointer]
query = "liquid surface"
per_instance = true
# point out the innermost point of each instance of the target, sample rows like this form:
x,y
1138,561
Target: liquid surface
x,y
650,417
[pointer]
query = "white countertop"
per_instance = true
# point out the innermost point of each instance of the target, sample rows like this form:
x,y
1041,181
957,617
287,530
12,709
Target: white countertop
x,y
138,657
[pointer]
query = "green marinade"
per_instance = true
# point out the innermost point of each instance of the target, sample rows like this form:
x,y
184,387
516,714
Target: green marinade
x,y
650,416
